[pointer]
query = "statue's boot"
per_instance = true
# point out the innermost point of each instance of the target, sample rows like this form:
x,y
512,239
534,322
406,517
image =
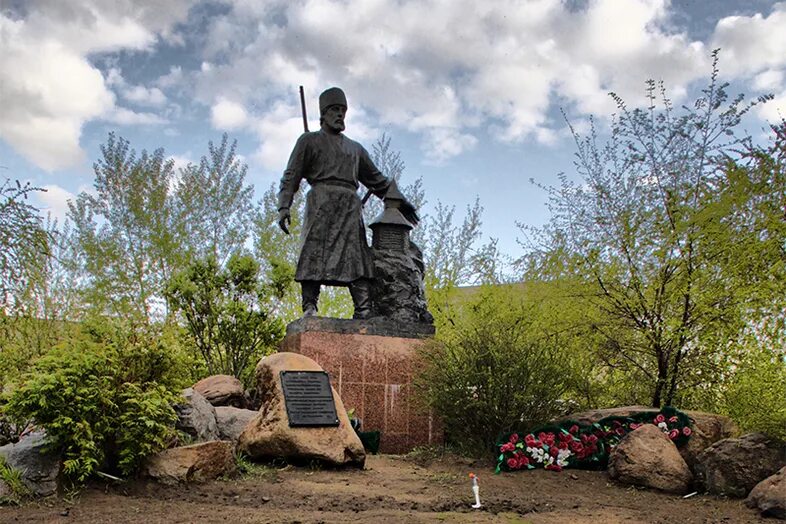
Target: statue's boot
x,y
310,294
360,290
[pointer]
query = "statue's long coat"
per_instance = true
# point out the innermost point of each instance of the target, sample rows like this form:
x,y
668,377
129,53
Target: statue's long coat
x,y
333,249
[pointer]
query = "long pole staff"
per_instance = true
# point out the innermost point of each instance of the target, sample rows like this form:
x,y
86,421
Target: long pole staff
x,y
303,109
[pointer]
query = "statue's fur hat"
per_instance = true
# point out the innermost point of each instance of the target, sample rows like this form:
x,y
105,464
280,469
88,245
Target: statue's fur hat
x,y
330,97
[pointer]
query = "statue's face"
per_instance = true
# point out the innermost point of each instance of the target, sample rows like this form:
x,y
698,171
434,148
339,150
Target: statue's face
x,y
333,118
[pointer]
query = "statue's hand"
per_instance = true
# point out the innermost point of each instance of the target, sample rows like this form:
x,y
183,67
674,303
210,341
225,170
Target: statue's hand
x,y
409,212
284,219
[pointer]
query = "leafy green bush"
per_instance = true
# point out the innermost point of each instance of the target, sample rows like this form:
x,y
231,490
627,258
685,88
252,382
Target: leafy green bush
x,y
104,398
494,368
756,395
224,313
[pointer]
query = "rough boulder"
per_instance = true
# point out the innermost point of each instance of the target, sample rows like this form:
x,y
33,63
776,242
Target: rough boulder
x,y
39,468
733,466
222,390
769,496
646,457
268,434
194,463
232,421
196,417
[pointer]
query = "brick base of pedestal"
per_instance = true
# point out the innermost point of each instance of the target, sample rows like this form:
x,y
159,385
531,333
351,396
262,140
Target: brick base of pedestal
x,y
370,364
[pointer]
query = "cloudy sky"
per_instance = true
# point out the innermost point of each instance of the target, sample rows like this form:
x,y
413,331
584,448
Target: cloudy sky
x,y
470,92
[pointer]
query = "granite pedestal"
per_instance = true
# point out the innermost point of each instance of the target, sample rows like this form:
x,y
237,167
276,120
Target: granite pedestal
x,y
371,363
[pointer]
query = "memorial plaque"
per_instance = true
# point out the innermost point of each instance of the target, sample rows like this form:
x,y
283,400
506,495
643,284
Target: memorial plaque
x,y
309,399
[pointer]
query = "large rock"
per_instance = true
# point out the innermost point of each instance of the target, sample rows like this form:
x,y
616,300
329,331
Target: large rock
x,y
232,421
196,417
733,466
708,428
194,463
222,390
646,457
769,496
40,469
268,434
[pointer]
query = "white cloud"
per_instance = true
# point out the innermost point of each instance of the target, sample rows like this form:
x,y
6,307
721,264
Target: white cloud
x,y
228,115
145,96
47,93
775,110
750,44
126,117
278,130
465,68
50,88
172,79
54,201
449,72
768,80
182,161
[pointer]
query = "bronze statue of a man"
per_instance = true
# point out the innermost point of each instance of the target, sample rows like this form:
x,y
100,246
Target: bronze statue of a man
x,y
334,250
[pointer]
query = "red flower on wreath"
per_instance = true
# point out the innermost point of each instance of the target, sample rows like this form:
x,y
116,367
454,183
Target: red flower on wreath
x,y
686,431
674,433
514,438
523,461
660,418
573,429
507,446
673,419
634,425
554,467
529,440
620,431
554,451
513,463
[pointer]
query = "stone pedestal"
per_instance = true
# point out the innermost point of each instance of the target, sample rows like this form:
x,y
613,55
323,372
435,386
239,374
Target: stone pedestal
x,y
370,363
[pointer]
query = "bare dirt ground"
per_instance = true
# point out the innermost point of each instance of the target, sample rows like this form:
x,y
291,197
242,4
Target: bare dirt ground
x,y
390,489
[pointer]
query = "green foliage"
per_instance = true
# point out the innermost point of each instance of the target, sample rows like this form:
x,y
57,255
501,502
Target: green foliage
x,y
126,233
495,366
24,245
223,310
754,397
451,252
104,398
214,204
143,223
13,479
749,381
649,231
146,416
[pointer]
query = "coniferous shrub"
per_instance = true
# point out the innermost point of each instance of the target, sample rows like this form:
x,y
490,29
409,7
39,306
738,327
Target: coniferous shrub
x,y
104,398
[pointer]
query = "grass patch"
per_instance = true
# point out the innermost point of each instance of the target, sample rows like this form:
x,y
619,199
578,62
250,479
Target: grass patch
x,y
13,479
249,469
